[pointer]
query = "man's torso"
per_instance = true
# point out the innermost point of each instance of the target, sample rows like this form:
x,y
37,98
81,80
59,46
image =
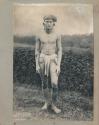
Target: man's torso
x,y
48,44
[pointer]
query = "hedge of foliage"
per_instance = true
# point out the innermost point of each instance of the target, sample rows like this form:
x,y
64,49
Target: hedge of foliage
x,y
76,70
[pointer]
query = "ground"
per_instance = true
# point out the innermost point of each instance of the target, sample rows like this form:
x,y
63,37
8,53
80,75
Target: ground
x,y
28,100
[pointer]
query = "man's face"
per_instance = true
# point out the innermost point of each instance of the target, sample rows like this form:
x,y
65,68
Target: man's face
x,y
49,24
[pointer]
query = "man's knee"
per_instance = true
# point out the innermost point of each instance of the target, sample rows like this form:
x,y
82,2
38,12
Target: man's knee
x,y
54,79
53,74
55,86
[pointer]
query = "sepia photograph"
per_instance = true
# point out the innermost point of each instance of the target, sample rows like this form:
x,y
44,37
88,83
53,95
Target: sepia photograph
x,y
53,62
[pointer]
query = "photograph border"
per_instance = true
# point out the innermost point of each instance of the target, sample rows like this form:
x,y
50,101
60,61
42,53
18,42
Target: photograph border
x,y
6,64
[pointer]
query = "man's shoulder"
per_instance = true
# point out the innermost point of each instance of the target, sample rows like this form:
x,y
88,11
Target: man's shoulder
x,y
57,34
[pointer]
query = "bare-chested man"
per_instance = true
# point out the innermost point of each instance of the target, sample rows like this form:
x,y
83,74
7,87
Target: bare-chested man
x,y
48,54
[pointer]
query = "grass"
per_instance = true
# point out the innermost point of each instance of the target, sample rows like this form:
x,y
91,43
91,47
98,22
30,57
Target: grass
x,y
28,101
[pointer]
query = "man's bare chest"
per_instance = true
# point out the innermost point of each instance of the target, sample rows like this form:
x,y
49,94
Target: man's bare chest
x,y
48,39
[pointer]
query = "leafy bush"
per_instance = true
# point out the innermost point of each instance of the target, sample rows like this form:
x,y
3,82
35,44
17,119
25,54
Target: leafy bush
x,y
76,70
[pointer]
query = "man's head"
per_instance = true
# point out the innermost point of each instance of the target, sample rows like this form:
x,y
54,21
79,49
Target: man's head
x,y
49,22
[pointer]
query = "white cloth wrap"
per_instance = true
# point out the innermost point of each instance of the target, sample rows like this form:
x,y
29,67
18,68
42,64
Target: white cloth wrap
x,y
47,61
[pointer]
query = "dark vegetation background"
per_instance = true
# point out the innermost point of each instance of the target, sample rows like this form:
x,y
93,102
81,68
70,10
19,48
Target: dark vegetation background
x,y
76,68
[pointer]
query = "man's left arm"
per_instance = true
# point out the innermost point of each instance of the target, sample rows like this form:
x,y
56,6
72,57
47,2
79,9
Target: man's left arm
x,y
59,50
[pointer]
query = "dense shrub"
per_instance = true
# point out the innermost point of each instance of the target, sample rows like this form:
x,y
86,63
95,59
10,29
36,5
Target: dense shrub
x,y
76,70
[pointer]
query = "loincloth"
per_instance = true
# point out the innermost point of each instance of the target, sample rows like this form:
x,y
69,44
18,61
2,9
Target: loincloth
x,y
47,60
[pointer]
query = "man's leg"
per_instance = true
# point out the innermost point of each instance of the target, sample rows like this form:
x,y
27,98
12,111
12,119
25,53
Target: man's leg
x,y
44,81
45,92
54,83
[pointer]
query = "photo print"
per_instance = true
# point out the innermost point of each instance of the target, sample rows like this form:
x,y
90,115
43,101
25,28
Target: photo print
x,y
53,61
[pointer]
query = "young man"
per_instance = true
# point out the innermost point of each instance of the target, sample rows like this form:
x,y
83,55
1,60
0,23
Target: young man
x,y
48,54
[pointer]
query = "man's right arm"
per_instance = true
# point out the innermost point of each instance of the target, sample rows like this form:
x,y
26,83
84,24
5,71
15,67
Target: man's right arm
x,y
37,52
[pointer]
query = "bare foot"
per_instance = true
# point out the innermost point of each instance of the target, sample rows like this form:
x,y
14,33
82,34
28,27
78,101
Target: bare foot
x,y
55,109
45,106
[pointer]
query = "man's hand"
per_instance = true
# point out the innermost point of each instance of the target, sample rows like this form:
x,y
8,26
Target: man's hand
x,y
37,69
58,70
